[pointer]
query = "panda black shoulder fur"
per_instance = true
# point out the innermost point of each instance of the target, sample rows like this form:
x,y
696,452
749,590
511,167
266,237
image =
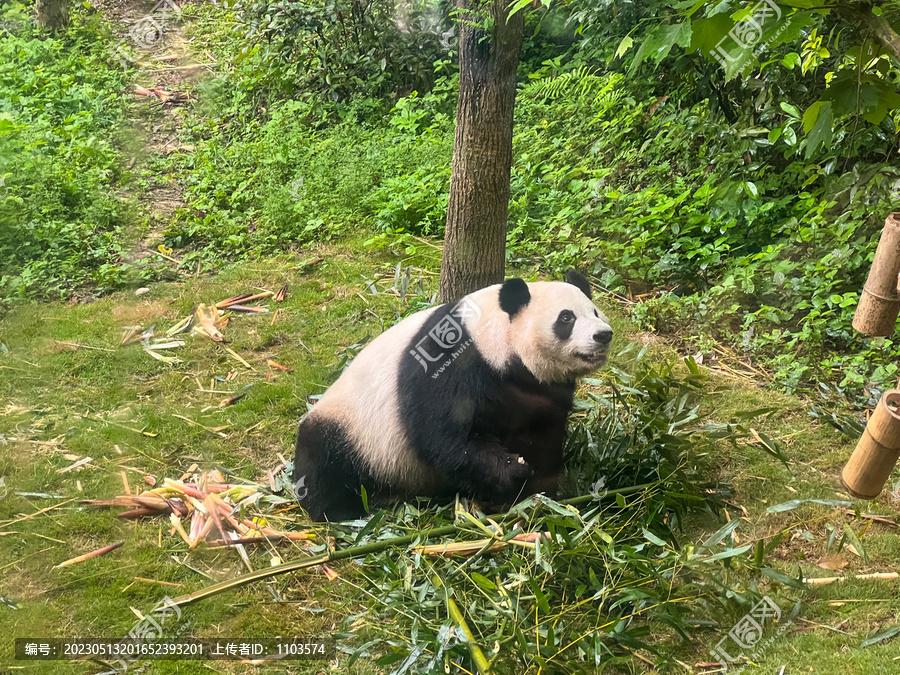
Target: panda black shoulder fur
x,y
470,397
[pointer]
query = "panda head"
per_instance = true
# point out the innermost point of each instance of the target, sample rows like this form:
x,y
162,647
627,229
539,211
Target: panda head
x,y
554,327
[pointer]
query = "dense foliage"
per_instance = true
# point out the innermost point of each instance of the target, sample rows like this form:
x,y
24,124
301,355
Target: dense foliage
x,y
722,200
733,226
61,223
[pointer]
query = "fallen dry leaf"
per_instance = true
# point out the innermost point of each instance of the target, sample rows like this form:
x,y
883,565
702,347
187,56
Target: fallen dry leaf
x,y
833,561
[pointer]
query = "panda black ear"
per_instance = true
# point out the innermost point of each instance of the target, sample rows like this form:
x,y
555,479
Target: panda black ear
x,y
578,280
514,295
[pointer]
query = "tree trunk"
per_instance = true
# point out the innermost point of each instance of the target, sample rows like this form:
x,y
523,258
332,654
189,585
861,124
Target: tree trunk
x,y
51,14
884,33
878,26
475,241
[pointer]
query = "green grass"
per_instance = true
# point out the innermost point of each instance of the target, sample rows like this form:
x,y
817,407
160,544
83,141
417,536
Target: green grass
x,y
54,397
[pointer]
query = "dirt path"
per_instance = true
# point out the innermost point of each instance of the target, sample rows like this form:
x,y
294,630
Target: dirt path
x,y
164,74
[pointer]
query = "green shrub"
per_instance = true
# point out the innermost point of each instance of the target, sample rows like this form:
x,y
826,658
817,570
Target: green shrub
x,y
740,237
60,222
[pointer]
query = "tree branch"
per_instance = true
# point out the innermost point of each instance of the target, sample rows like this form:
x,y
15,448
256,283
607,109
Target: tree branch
x,y
878,26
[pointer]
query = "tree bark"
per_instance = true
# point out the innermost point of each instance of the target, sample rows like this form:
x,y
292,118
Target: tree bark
x,y
878,26
475,240
51,14
884,33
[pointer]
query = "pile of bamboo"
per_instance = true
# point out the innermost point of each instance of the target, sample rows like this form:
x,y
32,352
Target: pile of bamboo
x,y
209,506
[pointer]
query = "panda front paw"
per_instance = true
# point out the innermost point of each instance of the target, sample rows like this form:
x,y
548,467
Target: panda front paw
x,y
511,472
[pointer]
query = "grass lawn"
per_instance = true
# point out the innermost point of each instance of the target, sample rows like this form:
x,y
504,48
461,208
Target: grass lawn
x,y
67,391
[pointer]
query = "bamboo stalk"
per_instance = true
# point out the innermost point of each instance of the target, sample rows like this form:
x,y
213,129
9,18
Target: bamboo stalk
x,y
239,299
245,308
285,536
877,451
366,549
88,556
477,655
822,581
879,302
233,299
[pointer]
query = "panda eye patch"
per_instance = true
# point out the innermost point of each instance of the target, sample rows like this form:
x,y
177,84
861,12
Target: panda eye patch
x,y
564,324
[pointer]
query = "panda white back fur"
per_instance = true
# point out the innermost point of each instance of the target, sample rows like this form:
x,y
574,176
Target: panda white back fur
x,y
470,397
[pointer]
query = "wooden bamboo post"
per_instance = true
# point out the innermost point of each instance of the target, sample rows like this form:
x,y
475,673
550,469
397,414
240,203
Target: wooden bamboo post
x,y
879,303
878,449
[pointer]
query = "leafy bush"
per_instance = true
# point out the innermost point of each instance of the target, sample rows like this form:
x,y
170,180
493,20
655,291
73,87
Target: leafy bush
x,y
60,222
743,238
335,49
289,183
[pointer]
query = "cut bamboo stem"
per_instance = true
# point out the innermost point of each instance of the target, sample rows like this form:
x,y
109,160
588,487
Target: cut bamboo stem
x,y
879,303
88,556
877,451
823,581
243,299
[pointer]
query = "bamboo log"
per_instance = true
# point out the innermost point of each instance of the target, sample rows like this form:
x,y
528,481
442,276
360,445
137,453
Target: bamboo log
x,y
822,581
877,451
879,303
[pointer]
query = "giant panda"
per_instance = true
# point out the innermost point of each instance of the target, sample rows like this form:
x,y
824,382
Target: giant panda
x,y
471,397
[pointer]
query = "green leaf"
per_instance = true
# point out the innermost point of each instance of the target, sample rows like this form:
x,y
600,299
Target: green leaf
x,y
657,44
721,534
729,553
706,33
693,10
624,46
772,447
790,110
652,538
794,503
783,578
843,92
791,60
886,634
857,544
540,596
518,6
790,136
812,115
365,498
483,581
877,99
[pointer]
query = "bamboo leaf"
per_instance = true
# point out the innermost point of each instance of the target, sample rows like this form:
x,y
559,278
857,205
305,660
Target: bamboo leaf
x,y
851,536
794,503
774,575
886,634
721,534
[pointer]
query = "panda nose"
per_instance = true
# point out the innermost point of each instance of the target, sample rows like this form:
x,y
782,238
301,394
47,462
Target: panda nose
x,y
603,337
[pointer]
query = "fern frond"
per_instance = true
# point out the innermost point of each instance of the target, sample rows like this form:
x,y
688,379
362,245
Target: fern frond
x,y
578,82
